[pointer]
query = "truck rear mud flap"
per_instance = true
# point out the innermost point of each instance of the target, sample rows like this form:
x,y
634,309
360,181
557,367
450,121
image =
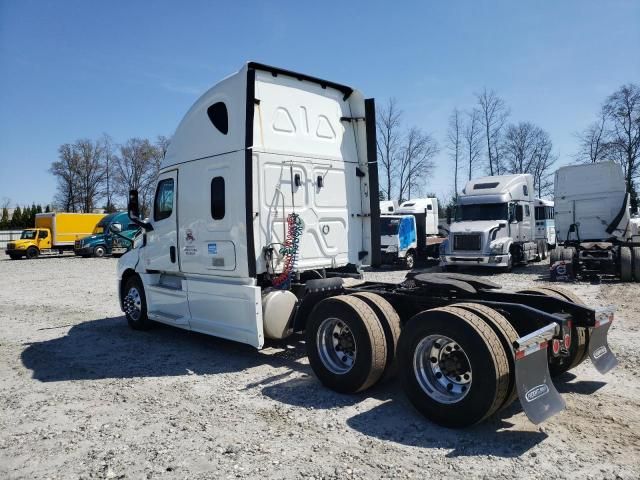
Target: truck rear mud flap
x,y
538,396
599,352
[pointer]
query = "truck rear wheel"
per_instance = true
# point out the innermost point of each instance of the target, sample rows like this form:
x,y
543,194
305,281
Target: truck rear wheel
x,y
390,321
32,252
625,264
453,367
507,336
579,336
346,344
135,304
99,251
636,263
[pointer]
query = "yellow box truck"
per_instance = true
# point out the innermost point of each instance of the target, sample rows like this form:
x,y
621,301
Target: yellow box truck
x,y
53,233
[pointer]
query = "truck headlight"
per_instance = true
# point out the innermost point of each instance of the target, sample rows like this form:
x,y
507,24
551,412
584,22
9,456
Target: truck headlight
x,y
392,249
497,248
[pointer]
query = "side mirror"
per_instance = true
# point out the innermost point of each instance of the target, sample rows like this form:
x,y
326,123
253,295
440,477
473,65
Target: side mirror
x,y
133,208
448,215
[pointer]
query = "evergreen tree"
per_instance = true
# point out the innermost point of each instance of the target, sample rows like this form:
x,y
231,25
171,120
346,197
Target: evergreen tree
x,y
16,219
32,215
39,209
47,209
4,220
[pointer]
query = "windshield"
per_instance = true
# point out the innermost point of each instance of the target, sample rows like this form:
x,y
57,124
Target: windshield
x,y
483,211
389,226
28,235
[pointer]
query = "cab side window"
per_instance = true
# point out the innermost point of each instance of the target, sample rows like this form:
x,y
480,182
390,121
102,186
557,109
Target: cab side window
x,y
527,212
163,203
43,234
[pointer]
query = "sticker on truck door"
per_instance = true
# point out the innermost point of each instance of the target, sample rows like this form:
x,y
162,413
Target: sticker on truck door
x,y
213,248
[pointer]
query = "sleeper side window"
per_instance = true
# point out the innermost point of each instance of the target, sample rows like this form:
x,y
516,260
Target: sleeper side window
x,y
525,190
527,212
163,203
219,117
217,198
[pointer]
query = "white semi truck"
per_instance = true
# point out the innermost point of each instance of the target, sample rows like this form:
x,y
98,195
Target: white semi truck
x,y
595,231
267,197
494,225
411,233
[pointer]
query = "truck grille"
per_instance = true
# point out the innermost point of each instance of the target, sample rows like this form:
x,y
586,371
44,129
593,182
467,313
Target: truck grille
x,y
467,242
11,246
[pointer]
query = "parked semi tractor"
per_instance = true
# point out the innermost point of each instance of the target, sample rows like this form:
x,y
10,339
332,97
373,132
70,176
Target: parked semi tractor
x,y
411,233
53,233
494,225
545,227
267,198
595,231
113,235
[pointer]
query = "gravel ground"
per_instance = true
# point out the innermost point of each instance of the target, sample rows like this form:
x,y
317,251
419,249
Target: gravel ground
x,y
85,397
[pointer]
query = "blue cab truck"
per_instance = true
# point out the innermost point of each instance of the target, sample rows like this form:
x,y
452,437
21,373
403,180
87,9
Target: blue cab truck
x,y
103,241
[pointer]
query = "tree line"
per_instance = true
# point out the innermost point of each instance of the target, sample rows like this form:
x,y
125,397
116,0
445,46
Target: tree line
x,y
24,217
98,173
615,136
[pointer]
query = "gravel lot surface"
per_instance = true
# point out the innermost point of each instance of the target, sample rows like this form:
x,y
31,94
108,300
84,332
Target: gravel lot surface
x,y
83,396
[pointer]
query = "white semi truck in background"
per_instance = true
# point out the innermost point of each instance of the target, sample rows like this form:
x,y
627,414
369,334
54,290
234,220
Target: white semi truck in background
x,y
494,225
268,196
410,234
595,230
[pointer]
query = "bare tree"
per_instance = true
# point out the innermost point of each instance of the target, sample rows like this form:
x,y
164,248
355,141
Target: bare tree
x,y
593,144
472,136
108,155
454,145
415,162
66,170
493,114
90,176
528,149
134,169
622,110
388,143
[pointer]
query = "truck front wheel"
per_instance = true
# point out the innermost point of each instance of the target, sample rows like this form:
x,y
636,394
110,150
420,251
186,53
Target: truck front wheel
x,y
453,367
134,302
346,344
32,252
99,251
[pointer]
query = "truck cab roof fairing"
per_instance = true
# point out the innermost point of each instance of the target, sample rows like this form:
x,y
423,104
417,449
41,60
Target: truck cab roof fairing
x,y
197,137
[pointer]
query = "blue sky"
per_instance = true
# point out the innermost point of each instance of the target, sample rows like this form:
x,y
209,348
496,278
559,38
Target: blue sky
x,y
76,69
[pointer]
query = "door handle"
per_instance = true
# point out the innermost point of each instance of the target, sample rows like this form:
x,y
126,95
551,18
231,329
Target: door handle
x,y
172,254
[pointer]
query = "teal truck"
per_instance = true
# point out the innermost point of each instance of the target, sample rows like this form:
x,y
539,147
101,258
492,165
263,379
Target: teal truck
x,y
111,236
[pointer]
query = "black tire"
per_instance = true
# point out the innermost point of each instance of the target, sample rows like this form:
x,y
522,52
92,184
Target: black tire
x,y
15,257
578,350
636,263
99,251
625,264
140,322
409,260
371,355
390,321
32,252
507,336
509,266
485,354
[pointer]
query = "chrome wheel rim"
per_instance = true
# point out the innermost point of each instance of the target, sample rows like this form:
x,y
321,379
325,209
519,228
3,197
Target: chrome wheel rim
x,y
442,369
336,346
133,304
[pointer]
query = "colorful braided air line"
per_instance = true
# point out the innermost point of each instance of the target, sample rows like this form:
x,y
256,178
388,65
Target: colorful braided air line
x,y
290,251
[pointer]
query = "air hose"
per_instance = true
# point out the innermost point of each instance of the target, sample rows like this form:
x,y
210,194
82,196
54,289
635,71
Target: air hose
x,y
289,251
